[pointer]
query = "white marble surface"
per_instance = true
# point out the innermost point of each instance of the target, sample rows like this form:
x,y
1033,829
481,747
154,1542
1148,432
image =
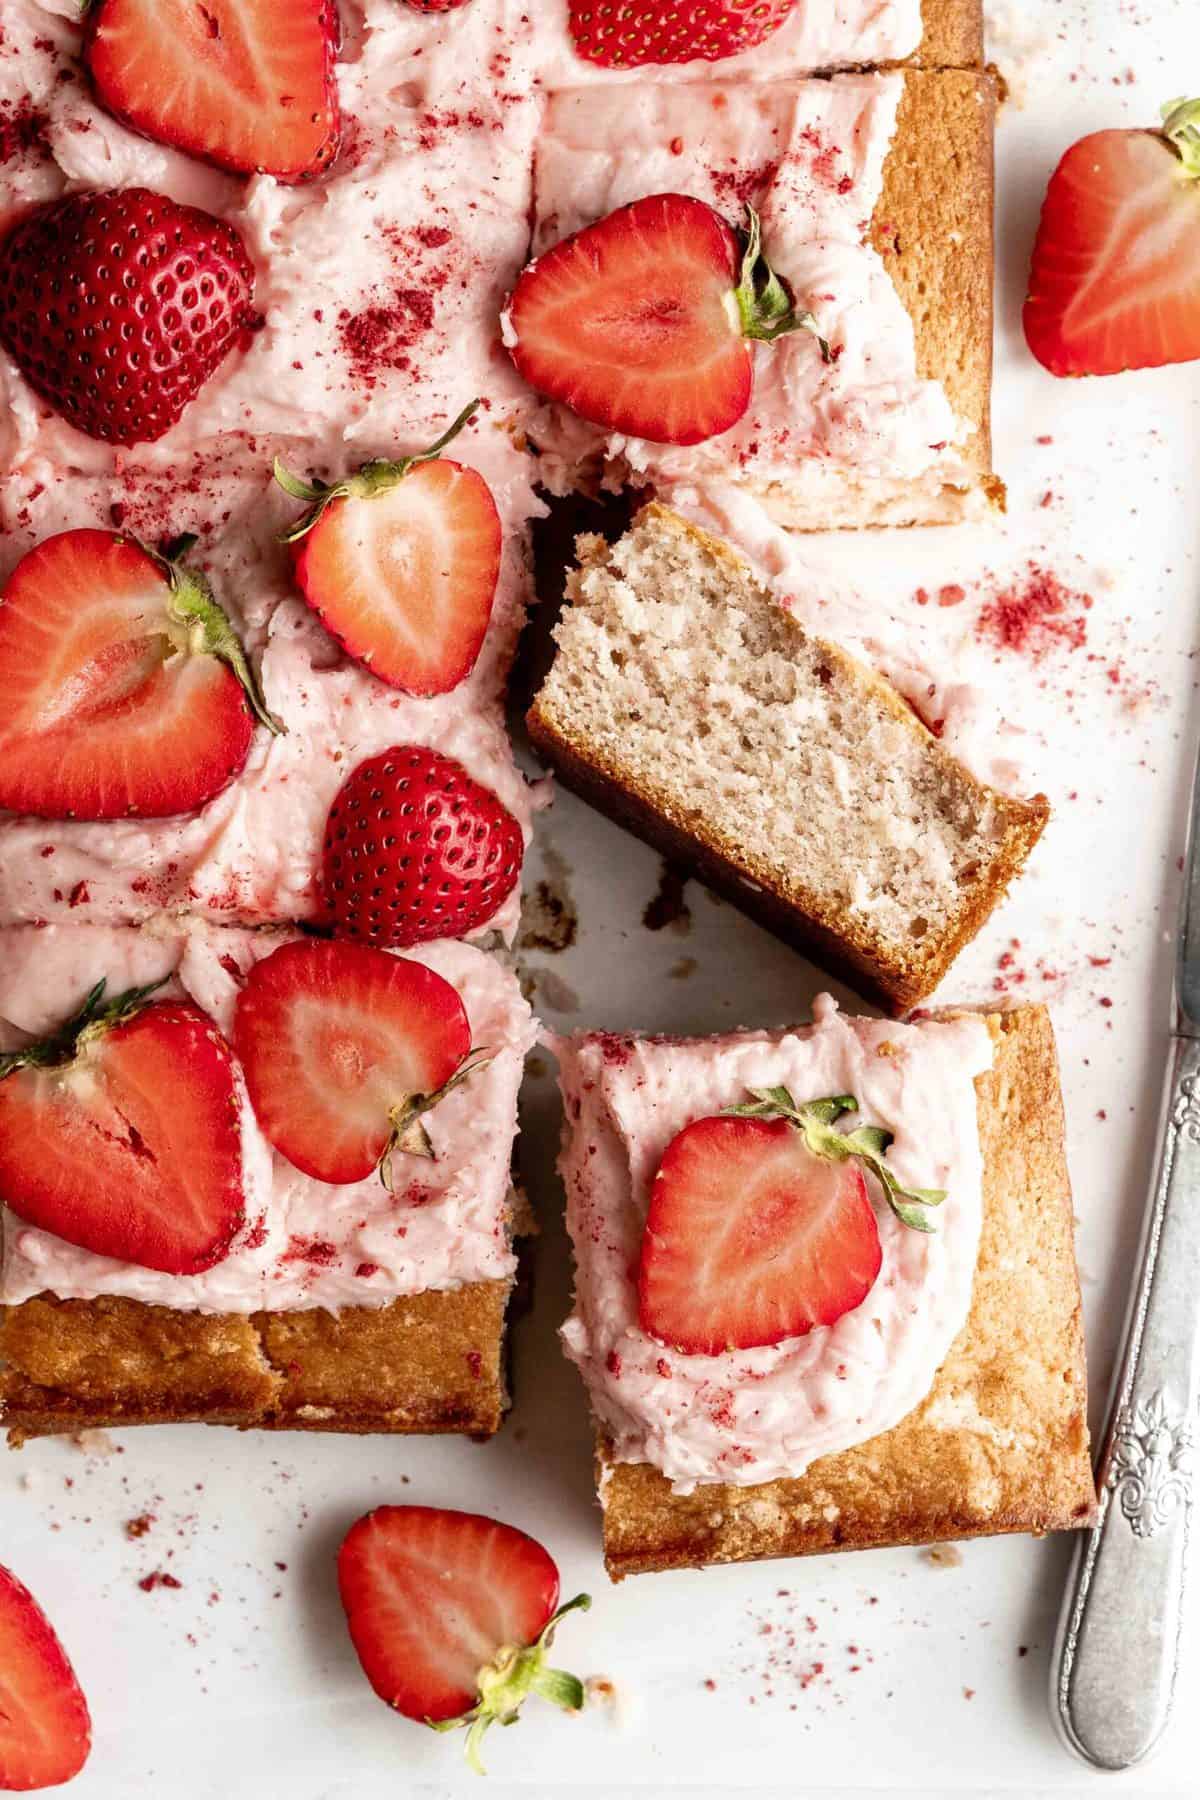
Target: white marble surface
x,y
932,1679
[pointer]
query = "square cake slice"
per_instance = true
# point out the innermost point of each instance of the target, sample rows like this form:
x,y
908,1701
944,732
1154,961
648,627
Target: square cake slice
x,y
875,198
339,1306
686,701
950,1403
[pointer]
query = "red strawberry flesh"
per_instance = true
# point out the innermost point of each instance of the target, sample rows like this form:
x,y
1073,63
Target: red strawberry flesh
x,y
1115,278
431,1596
752,1238
246,84
109,710
405,577
45,1731
117,306
634,32
332,1037
131,1147
633,322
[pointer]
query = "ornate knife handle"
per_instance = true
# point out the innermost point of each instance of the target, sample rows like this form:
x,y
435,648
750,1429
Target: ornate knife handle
x,y
1118,1642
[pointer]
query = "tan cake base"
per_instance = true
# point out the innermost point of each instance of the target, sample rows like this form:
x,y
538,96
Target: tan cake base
x,y
952,35
1001,1442
431,1363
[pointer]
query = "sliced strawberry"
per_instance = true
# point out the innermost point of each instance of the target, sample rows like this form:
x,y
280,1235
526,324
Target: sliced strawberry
x,y
416,849
663,31
45,1731
122,1135
760,1228
451,1615
643,322
344,1048
246,84
127,693
119,305
1115,281
400,563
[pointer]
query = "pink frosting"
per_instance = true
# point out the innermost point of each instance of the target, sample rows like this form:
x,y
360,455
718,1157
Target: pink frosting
x,y
809,156
306,1243
752,1416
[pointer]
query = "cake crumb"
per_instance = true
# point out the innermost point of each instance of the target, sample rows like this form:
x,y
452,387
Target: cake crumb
x,y
669,910
944,1556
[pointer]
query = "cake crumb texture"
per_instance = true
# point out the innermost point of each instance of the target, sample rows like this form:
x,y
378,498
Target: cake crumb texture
x,y
688,702
1001,1442
432,1362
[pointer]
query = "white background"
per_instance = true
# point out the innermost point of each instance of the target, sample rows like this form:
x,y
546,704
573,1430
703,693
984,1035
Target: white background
x,y
933,1679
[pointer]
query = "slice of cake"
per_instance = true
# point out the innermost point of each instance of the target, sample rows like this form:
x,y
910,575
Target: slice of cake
x,y
323,1297
797,1336
687,702
875,199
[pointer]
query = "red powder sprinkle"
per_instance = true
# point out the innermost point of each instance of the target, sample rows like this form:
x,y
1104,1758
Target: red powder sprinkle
x,y
612,1363
952,594
743,185
663,1367
365,1270
79,895
383,336
256,1237
159,1579
318,1251
137,1528
1034,615
676,146
22,129
711,1685
475,1364
230,966
432,236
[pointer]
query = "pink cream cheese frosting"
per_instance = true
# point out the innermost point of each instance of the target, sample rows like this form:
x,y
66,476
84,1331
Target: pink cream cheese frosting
x,y
758,1415
305,1243
808,155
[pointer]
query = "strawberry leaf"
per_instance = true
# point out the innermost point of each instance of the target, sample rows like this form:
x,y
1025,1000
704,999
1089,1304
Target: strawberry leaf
x,y
93,1019
869,1143
1181,128
408,1133
764,303
514,1672
194,607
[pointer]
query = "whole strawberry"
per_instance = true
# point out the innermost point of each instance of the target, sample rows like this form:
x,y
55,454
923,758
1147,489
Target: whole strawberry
x,y
634,32
118,306
416,849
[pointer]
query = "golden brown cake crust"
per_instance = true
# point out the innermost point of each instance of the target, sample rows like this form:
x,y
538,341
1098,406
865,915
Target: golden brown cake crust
x,y
952,34
878,969
431,1363
1001,1442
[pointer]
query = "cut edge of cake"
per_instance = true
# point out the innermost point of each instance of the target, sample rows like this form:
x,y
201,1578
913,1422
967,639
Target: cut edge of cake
x,y
999,1445
586,720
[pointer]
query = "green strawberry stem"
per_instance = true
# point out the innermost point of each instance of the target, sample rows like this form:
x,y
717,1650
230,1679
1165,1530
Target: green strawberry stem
x,y
765,307
870,1144
373,478
408,1132
1181,128
515,1671
193,606
94,1018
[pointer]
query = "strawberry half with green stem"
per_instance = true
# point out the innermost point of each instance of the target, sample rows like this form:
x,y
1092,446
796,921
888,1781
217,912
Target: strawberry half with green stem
x,y
634,32
117,306
760,1227
646,322
127,691
249,85
415,849
45,1730
400,563
452,1615
1115,277
344,1049
122,1134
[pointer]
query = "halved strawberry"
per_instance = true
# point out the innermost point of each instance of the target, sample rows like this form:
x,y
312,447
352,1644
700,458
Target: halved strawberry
x,y
246,84
1115,280
760,1227
122,1134
400,563
663,31
344,1048
45,1731
644,323
127,693
415,849
451,1615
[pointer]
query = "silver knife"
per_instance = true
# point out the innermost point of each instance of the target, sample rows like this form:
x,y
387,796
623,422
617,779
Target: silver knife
x,y
1117,1651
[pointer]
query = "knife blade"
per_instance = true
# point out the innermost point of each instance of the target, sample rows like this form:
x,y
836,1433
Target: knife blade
x,y
1117,1652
